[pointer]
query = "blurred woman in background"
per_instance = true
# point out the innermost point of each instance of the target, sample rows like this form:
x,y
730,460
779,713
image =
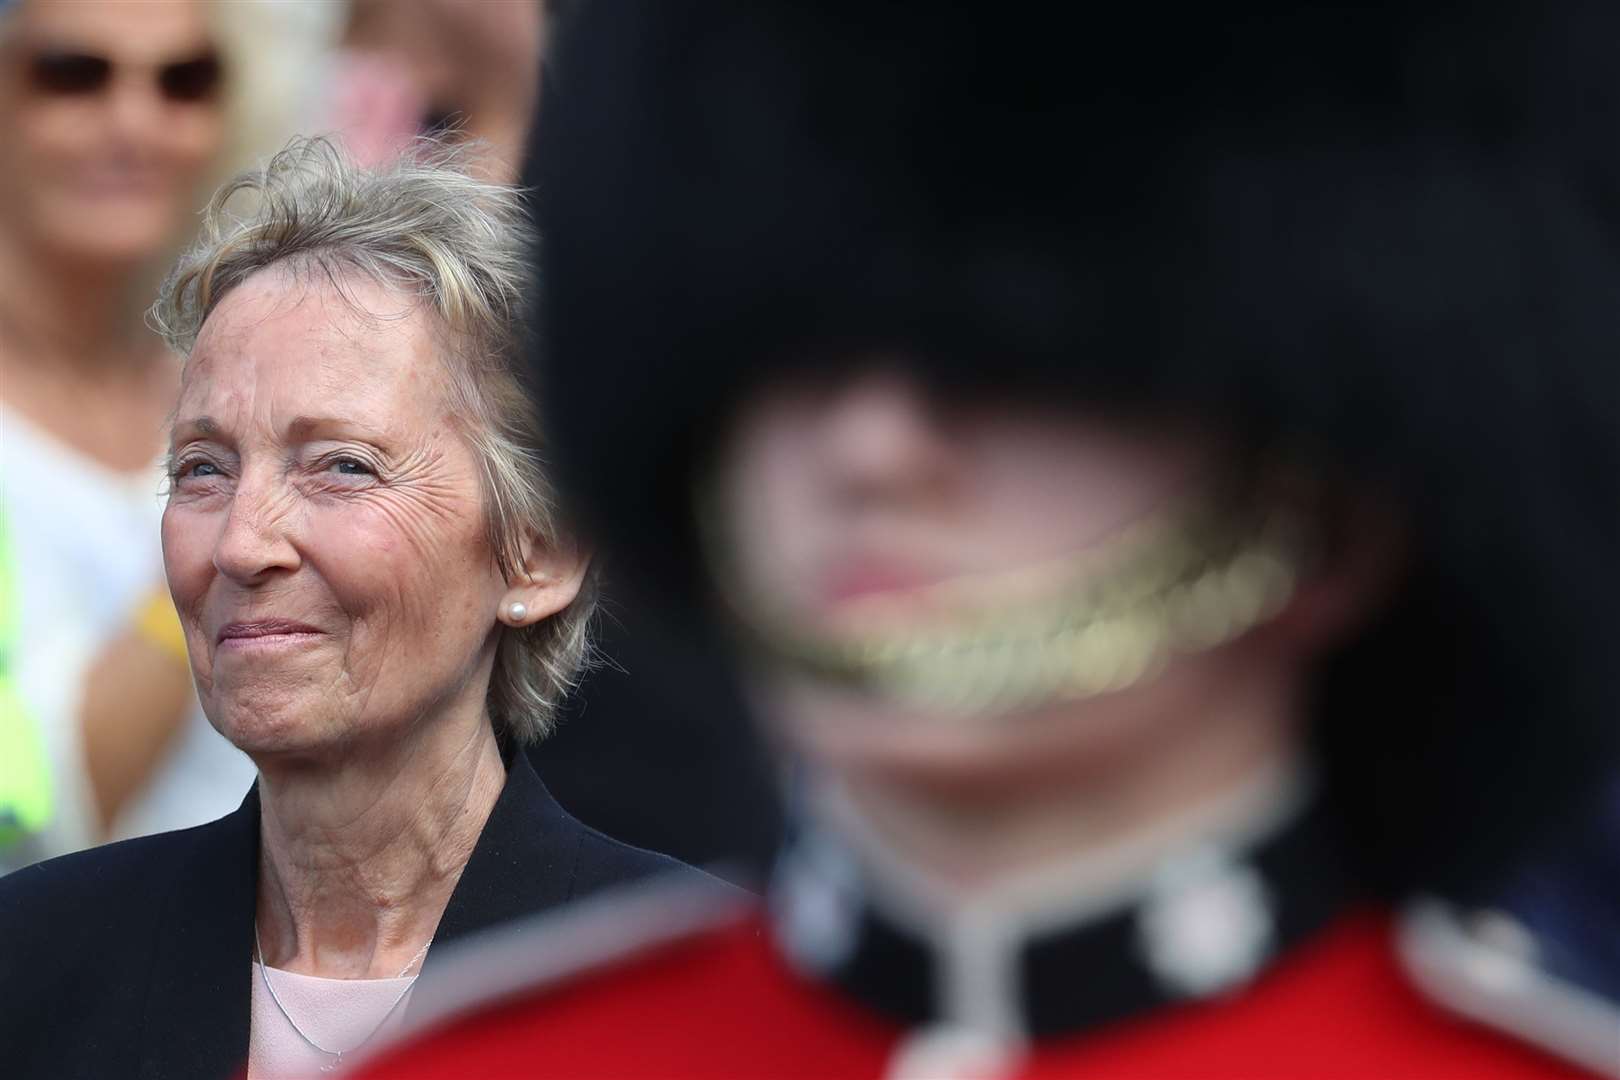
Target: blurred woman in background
x,y
114,112
467,72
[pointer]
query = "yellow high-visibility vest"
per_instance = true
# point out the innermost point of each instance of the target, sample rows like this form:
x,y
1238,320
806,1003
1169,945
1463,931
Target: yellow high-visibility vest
x,y
25,774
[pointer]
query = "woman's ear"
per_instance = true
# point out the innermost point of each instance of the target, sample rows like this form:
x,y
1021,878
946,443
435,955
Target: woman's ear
x,y
548,581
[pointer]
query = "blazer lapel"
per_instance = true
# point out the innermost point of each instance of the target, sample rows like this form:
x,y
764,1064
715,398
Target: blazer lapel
x,y
523,862
196,1016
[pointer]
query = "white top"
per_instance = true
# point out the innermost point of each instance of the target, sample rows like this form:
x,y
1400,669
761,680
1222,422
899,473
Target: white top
x,y
341,1014
86,547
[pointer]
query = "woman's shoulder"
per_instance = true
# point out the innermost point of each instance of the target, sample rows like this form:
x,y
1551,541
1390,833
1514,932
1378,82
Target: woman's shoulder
x,y
99,945
603,863
122,876
530,823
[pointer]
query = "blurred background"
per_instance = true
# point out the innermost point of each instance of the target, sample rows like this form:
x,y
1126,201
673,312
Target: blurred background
x,y
120,117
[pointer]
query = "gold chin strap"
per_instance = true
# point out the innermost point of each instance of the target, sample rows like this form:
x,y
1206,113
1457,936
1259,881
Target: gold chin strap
x,y
1086,626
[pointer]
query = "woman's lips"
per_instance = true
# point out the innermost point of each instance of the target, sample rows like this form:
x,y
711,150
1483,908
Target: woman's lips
x,y
265,634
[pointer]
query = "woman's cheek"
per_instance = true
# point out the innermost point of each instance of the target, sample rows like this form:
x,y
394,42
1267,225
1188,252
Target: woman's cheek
x,y
362,540
360,555
187,567
186,554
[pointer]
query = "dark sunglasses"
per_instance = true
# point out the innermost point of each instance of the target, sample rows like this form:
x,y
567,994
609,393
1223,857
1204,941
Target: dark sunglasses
x,y
75,74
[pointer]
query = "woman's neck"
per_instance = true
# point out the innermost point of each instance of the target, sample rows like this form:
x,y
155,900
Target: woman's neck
x,y
78,363
358,860
71,318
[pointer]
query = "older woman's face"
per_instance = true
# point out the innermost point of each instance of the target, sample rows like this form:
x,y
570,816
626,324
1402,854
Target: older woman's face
x,y
324,537
110,115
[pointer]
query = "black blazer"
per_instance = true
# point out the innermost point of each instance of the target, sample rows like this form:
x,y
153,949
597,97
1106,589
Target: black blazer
x,y
134,959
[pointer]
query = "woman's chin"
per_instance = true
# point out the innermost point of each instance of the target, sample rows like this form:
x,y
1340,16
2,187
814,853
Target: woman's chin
x,y
94,235
285,729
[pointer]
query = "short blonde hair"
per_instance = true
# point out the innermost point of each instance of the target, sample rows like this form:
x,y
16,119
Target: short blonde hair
x,y
463,248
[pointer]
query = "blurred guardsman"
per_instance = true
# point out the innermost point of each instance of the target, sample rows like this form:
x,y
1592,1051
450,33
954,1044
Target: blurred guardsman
x,y
1162,476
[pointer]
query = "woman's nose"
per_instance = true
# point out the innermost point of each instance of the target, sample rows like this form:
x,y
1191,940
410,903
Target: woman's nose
x,y
883,437
136,109
254,542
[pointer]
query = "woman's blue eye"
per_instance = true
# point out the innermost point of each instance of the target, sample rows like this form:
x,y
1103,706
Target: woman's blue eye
x,y
195,469
351,467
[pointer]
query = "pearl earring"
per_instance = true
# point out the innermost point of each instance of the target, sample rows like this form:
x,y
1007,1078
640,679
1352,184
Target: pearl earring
x,y
518,611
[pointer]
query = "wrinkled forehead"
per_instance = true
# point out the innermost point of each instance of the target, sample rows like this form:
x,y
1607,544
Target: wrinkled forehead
x,y
287,343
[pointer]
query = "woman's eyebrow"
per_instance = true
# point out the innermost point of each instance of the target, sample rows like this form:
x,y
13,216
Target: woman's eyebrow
x,y
193,427
299,429
303,428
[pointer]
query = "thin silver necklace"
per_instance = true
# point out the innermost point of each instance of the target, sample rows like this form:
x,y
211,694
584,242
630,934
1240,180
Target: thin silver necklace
x,y
336,1055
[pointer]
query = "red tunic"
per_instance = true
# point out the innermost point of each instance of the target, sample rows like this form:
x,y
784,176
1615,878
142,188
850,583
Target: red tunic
x,y
722,1003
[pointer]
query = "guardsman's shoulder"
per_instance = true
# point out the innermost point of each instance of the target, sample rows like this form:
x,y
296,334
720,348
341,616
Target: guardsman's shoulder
x,y
629,934
1482,966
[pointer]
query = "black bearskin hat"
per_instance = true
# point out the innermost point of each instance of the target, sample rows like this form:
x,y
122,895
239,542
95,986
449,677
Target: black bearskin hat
x,y
1389,233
